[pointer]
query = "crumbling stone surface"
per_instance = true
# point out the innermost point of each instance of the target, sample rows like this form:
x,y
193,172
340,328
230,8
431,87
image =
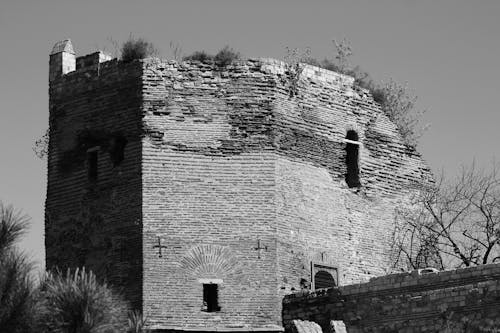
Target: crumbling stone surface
x,y
337,326
238,180
304,326
463,300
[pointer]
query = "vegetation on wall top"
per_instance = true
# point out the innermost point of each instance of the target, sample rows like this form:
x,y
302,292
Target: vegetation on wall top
x,y
137,48
396,100
224,57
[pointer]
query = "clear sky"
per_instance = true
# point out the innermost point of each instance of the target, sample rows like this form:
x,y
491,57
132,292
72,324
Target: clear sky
x,y
447,50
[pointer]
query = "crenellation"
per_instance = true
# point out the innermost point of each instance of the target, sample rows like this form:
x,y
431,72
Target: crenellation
x,y
92,61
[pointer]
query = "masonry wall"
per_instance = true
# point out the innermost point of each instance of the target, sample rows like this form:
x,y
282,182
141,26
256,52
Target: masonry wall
x,y
237,154
464,300
235,173
320,219
208,194
96,224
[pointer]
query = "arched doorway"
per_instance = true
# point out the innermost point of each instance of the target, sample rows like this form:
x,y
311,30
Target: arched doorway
x,y
323,279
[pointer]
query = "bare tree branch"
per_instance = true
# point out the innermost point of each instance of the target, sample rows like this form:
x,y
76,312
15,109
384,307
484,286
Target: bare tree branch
x,y
461,217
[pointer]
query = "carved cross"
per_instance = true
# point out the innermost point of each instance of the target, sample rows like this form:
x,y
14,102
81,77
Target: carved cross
x,y
159,246
260,248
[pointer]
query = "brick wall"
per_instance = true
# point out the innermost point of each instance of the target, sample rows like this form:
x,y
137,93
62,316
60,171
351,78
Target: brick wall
x,y
208,192
230,158
96,224
320,219
463,300
219,161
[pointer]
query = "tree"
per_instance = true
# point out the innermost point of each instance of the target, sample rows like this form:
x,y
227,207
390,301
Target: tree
x,y
452,224
16,284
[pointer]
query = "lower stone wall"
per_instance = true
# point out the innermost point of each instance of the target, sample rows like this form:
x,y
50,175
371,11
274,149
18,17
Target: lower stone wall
x,y
464,300
212,330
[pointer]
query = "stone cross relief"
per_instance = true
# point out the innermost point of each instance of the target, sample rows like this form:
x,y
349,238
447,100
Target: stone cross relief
x,y
159,246
260,248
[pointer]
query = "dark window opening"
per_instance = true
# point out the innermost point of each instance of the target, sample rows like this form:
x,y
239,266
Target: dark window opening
x,y
92,165
352,160
323,276
323,279
210,297
117,148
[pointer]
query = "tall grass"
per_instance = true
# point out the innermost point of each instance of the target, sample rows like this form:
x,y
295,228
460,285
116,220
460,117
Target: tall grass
x,y
135,322
77,303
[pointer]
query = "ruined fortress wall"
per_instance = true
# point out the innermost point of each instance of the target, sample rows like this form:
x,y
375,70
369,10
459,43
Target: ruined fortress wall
x,y
236,155
463,300
235,173
208,189
320,219
96,224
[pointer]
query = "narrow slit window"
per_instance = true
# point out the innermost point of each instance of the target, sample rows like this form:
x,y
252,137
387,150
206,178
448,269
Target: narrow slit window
x,y
92,159
211,297
352,159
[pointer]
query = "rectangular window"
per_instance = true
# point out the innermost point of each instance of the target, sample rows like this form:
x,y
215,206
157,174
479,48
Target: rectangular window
x,y
92,165
211,297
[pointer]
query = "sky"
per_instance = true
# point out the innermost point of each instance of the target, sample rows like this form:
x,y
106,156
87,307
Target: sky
x,y
447,51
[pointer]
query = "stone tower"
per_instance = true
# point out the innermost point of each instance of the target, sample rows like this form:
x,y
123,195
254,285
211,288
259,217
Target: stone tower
x,y
208,192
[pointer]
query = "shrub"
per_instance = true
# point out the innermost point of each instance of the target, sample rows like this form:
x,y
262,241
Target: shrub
x,y
330,65
176,50
226,56
137,48
399,105
311,61
293,68
41,147
201,56
377,94
77,302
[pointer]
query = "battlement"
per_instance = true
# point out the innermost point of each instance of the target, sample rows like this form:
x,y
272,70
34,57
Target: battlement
x,y
64,61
